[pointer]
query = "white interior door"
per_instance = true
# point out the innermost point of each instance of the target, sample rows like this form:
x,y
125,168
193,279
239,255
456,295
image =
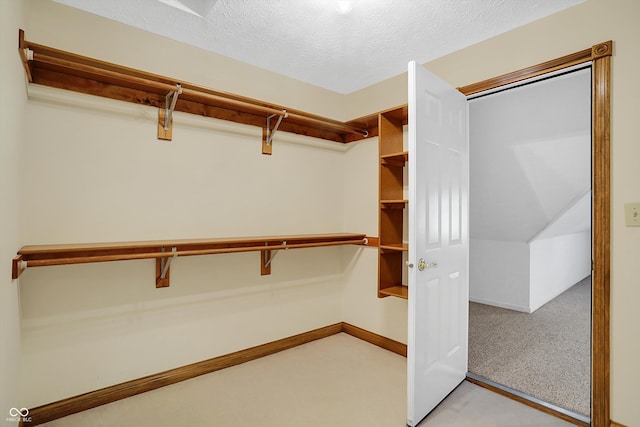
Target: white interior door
x,y
438,241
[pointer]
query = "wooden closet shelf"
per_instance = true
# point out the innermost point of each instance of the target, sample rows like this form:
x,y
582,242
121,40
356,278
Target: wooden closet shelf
x,y
400,291
64,70
399,114
394,204
395,247
395,159
164,250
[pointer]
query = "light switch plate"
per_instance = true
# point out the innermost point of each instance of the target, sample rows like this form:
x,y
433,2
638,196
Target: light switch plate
x,y
632,214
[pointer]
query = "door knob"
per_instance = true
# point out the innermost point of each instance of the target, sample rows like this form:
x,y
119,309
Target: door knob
x,y
422,264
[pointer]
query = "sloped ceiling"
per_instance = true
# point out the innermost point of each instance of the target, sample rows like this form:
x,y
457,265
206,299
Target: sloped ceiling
x,y
340,45
531,160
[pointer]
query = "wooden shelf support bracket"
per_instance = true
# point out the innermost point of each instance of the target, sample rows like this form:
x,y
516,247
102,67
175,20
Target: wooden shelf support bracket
x,y
268,133
18,265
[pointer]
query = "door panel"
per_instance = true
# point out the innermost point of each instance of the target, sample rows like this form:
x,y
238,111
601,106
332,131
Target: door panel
x,y
455,197
431,196
438,242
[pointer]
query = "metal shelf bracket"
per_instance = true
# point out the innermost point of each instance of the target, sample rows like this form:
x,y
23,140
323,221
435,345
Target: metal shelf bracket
x,y
267,256
165,116
268,133
162,268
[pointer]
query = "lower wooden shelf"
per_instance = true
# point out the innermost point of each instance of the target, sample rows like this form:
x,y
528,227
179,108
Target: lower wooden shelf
x,y
400,291
163,251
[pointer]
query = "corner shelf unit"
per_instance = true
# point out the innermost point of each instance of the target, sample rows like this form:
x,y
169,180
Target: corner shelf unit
x,y
392,249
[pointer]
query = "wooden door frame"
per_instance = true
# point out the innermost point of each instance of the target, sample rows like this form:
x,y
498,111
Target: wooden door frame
x,y
600,57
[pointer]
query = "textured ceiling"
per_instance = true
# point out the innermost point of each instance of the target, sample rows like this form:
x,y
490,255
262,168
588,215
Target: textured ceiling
x,y
341,45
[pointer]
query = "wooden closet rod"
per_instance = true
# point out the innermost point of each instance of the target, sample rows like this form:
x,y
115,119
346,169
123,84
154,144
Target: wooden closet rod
x,y
190,93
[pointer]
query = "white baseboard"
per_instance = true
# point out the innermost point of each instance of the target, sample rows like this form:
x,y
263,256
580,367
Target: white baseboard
x,y
501,305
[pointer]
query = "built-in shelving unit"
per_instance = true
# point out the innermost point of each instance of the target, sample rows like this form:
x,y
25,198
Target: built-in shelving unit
x,y
392,249
163,251
65,70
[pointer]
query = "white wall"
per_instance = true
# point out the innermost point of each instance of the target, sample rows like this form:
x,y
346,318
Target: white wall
x,y
360,304
99,174
94,171
499,273
97,171
12,107
530,164
575,219
525,276
530,155
557,264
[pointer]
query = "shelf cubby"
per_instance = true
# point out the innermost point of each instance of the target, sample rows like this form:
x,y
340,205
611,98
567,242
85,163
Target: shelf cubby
x,y
392,249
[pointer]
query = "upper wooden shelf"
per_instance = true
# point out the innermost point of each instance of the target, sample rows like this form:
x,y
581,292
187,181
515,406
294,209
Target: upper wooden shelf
x,y
165,250
64,70
370,122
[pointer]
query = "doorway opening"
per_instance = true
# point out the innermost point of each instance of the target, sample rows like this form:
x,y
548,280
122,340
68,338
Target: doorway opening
x,y
600,58
530,238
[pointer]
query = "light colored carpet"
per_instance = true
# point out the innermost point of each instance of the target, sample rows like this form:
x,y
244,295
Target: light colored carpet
x,y
336,381
545,354
339,381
